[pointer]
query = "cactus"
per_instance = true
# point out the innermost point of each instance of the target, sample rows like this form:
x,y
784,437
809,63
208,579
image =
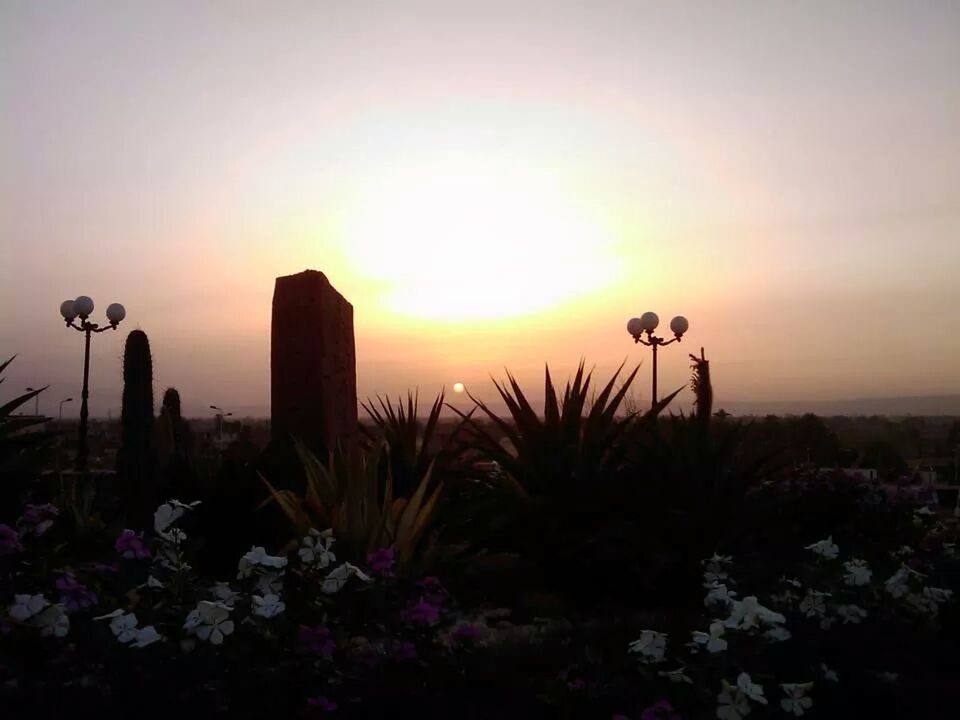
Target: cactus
x,y
135,460
175,445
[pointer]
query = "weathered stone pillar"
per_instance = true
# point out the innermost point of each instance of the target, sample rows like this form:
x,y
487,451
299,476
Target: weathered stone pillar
x,y
313,367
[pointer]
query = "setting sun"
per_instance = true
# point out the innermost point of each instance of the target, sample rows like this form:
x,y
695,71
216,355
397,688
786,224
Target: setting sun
x,y
459,239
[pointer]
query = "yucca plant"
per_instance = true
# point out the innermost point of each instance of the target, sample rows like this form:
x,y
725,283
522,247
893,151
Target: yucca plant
x,y
411,441
355,498
574,444
21,446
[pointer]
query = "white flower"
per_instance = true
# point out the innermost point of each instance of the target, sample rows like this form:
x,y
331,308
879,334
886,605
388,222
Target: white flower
x,y
733,703
210,621
651,645
269,583
712,578
184,506
124,627
825,548
224,593
925,511
338,577
791,581
750,689
52,621
257,557
145,636
896,584
166,515
154,584
173,535
677,676
829,674
749,613
718,560
316,549
778,633
813,604
937,595
851,613
713,641
858,572
904,551
930,600
734,700
26,606
268,606
719,594
796,701
890,677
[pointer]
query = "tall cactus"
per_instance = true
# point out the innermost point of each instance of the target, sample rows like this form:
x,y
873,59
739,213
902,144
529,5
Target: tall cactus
x,y
175,445
135,460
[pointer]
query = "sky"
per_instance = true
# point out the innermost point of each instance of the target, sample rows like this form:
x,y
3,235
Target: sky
x,y
492,185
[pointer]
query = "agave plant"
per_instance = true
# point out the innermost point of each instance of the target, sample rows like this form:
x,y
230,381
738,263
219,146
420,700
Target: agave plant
x,y
355,498
411,442
576,443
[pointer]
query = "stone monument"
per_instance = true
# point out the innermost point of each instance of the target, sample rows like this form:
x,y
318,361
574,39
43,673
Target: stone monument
x,y
313,366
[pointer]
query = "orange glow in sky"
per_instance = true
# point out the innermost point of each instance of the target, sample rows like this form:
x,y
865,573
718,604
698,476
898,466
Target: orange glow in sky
x,y
492,185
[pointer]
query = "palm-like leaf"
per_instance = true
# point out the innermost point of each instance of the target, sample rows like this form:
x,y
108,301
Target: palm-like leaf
x,y
355,498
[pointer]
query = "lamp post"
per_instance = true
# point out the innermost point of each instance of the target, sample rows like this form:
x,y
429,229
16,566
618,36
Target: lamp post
x,y
36,407
65,400
220,416
647,323
82,307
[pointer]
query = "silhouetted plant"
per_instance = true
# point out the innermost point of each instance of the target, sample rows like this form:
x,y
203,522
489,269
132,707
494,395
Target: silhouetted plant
x,y
574,445
174,445
412,442
136,465
354,498
21,452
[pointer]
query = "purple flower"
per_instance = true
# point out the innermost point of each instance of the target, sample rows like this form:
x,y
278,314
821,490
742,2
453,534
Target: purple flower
x,y
381,560
76,596
38,518
423,613
433,592
9,540
322,702
316,640
403,651
660,710
130,545
576,684
466,631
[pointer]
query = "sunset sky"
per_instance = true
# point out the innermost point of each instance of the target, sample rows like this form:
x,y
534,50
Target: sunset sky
x,y
490,184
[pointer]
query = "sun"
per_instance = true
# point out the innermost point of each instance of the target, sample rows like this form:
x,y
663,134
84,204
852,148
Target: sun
x,y
462,241
458,387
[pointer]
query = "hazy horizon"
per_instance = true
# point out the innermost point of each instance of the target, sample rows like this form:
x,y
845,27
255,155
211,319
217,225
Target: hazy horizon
x,y
490,185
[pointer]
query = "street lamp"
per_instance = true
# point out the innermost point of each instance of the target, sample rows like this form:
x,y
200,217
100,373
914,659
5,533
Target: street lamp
x,y
65,400
36,407
82,307
220,416
647,323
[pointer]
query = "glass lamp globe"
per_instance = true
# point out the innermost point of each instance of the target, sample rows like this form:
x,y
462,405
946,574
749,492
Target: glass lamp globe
x,y
83,306
67,310
115,313
634,326
649,321
679,325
